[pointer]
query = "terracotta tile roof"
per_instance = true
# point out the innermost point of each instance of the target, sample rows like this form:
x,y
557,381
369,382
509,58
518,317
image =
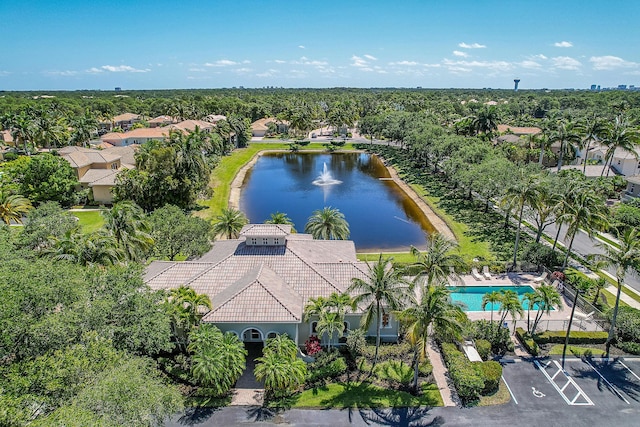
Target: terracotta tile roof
x,y
6,136
519,130
215,118
259,296
190,125
265,282
271,230
162,119
79,157
125,117
263,124
95,177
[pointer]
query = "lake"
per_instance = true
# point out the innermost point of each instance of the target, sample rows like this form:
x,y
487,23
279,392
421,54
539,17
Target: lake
x,y
380,216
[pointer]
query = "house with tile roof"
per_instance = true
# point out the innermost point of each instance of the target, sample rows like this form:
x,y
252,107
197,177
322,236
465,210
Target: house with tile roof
x,y
97,169
260,127
159,133
259,283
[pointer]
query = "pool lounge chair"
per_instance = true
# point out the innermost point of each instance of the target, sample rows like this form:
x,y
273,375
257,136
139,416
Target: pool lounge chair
x,y
485,272
540,278
475,274
581,316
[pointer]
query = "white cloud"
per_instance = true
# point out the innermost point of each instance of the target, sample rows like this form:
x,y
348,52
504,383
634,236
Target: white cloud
x,y
197,70
246,61
67,73
566,63
94,70
609,62
221,63
123,69
279,61
467,65
538,56
4,73
243,70
530,64
301,47
563,44
459,53
405,63
471,46
371,57
359,62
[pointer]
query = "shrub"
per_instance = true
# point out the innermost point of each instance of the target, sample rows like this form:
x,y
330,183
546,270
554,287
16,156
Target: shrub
x,y
529,344
466,378
576,337
628,325
491,372
629,347
356,342
10,156
312,345
425,368
327,365
388,351
484,348
495,334
395,371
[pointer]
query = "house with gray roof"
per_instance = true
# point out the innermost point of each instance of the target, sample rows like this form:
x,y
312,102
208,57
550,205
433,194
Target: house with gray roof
x,y
259,283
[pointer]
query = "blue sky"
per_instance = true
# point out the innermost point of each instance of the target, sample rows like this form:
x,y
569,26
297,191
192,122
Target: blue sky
x,y
96,44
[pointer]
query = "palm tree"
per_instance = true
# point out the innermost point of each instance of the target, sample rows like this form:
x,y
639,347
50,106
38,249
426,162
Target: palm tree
x,y
327,224
592,129
565,134
383,288
486,121
315,307
619,136
191,303
280,218
510,304
624,259
530,298
585,212
13,207
434,312
491,298
128,224
523,192
217,360
229,223
545,145
279,368
546,207
330,323
547,298
86,249
435,262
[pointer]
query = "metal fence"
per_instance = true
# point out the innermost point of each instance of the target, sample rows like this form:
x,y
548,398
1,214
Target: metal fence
x,y
560,325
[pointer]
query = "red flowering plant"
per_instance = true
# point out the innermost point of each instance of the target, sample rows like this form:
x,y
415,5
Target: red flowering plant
x,y
558,275
312,345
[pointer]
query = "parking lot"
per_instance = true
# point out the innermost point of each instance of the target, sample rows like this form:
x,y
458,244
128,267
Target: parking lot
x,y
542,384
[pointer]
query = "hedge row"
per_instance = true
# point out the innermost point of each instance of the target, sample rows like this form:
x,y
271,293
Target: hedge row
x,y
328,365
529,344
576,337
471,379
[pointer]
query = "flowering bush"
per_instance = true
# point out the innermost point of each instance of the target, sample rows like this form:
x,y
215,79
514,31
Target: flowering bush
x,y
558,275
312,345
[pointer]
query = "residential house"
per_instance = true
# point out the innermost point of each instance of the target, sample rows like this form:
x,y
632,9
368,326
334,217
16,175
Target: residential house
x,y
260,127
215,118
633,187
123,121
142,135
161,121
7,138
97,169
259,283
625,162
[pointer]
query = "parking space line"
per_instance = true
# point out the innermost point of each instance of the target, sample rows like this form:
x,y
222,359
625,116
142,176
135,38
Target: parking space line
x,y
607,381
510,392
570,381
628,369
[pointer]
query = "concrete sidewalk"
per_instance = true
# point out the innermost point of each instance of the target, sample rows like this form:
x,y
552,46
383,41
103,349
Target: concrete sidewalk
x,y
440,374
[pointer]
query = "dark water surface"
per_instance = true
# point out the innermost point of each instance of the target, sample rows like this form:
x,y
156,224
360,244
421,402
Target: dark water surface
x,y
380,215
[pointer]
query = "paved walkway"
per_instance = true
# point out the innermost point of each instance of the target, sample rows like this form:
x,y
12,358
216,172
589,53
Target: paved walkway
x,y
440,374
247,397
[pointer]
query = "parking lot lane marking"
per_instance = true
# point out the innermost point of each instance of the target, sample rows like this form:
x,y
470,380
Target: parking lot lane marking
x,y
510,392
607,381
569,381
628,369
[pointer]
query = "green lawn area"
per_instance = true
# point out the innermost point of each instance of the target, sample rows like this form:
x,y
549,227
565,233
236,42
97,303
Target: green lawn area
x,y
90,221
576,351
500,397
229,166
398,257
365,395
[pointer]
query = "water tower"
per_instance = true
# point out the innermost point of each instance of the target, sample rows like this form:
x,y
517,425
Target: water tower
x,y
515,86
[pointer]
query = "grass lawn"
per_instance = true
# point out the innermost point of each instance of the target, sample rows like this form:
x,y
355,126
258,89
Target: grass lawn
x,y
223,174
398,257
90,221
500,397
365,395
577,351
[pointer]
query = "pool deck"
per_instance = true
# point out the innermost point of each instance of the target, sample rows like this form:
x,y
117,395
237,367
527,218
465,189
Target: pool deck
x,y
518,279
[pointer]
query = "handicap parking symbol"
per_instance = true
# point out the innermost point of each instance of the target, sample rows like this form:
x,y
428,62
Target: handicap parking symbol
x,y
537,393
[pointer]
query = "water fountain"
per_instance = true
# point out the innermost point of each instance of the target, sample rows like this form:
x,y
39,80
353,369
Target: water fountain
x,y
325,178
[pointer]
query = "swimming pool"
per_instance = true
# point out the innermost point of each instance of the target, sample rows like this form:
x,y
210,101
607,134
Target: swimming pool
x,y
471,296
